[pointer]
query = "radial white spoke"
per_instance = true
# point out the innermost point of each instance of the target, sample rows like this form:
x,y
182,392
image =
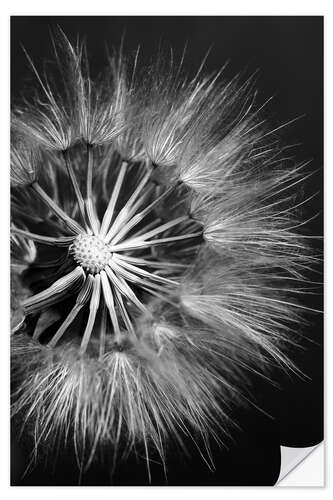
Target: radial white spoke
x,y
70,223
93,307
138,190
80,302
137,279
92,216
91,211
90,166
142,272
113,200
55,292
163,227
140,216
109,301
154,223
124,288
149,263
127,215
125,212
102,331
61,241
78,194
124,313
146,192
138,243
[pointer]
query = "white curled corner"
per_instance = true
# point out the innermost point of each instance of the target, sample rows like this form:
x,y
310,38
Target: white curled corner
x,y
298,470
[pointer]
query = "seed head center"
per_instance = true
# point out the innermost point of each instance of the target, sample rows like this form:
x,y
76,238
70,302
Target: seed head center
x,y
91,253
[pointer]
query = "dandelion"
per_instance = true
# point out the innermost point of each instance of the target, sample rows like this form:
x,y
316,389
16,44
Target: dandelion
x,y
161,256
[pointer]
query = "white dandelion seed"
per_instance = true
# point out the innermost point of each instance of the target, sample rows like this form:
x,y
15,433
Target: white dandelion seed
x,y
165,256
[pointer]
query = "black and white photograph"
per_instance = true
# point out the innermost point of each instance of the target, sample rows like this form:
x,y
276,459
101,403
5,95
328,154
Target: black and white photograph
x,y
166,241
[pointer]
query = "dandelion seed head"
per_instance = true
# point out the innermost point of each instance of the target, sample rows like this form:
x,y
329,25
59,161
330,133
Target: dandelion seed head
x,y
165,257
91,253
24,159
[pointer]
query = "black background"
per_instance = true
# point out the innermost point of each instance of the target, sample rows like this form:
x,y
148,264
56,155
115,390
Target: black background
x,y
288,51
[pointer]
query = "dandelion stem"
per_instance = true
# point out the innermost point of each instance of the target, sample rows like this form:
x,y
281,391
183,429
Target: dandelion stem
x,y
70,223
